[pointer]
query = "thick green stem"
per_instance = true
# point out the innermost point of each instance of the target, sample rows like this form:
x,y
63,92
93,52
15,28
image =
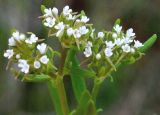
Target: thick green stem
x,y
58,95
95,90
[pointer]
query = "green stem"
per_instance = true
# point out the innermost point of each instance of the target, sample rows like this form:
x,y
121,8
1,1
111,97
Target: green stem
x,y
95,90
99,80
62,95
58,95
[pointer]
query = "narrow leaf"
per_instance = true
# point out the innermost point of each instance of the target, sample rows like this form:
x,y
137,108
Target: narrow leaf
x,y
43,8
148,43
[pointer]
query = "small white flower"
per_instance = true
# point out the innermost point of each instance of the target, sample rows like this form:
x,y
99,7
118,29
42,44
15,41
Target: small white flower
x,y
55,11
98,56
70,17
44,59
66,11
132,50
89,44
11,42
9,53
100,34
18,56
48,12
130,33
108,52
114,35
37,64
60,27
109,44
84,19
126,48
117,28
23,65
137,44
70,31
83,30
17,36
42,48
88,51
127,40
32,39
119,42
77,33
49,22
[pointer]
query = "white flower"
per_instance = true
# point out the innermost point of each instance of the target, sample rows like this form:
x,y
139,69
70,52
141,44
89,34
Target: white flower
x,y
18,56
17,36
48,12
130,33
108,52
100,34
89,44
117,28
55,11
66,11
77,33
11,42
9,53
98,56
137,44
84,19
127,40
119,42
88,51
37,64
42,48
44,59
109,44
126,48
83,30
23,65
60,27
70,31
70,17
49,22
32,39
114,35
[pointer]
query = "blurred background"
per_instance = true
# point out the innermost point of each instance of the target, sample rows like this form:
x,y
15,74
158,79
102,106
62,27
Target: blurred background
x,y
135,90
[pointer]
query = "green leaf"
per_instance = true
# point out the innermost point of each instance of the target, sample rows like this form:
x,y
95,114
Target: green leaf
x,y
82,13
36,78
55,96
77,78
91,108
148,43
83,103
43,8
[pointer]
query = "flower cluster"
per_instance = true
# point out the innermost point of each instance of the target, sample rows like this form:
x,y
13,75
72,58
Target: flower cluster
x,y
27,53
68,26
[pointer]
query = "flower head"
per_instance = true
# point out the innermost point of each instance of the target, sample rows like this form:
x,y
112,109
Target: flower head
x,y
11,42
83,30
88,51
9,53
32,39
117,28
98,56
130,33
137,44
108,52
70,31
66,11
109,44
24,66
44,59
100,34
126,48
42,48
49,22
37,64
84,19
